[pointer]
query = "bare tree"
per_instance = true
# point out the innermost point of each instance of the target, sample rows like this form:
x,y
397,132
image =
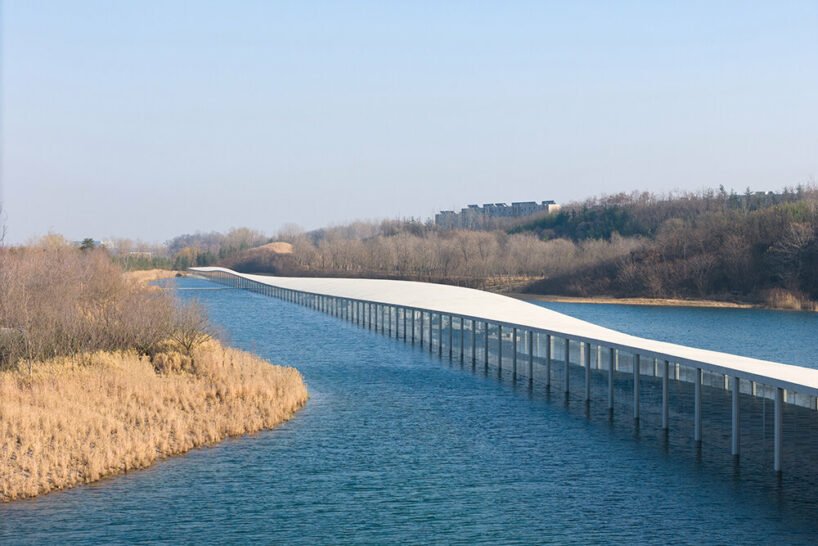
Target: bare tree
x,y
190,327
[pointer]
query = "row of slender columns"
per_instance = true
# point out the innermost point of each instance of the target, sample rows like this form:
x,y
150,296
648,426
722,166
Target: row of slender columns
x,y
380,318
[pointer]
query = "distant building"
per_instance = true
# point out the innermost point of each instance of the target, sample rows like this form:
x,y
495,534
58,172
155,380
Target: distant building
x,y
475,216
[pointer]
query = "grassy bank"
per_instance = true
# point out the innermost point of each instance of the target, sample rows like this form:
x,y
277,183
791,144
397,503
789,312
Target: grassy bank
x,y
775,299
146,276
74,420
658,302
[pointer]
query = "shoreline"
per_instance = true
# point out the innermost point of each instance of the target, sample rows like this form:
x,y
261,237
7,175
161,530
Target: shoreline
x,y
647,302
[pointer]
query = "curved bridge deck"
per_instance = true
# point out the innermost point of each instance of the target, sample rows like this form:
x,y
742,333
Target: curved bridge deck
x,y
408,309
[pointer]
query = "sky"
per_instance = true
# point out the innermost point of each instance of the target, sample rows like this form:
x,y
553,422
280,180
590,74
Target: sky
x,y
149,119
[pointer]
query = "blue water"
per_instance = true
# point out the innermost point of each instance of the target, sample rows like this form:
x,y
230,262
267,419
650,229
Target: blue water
x,y
399,446
781,336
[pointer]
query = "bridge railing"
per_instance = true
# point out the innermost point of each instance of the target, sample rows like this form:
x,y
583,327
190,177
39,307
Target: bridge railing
x,y
555,358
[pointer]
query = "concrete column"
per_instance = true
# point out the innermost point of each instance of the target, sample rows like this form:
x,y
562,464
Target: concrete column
x,y
697,407
486,344
404,324
636,366
514,352
499,348
431,325
530,356
611,366
422,327
462,339
473,342
451,335
440,334
665,395
548,361
736,429
587,372
779,425
567,365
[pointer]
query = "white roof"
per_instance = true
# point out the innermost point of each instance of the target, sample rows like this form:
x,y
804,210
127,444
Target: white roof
x,y
495,308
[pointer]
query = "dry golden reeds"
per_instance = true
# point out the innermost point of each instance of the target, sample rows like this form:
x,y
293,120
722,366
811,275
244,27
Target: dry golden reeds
x,y
74,420
145,276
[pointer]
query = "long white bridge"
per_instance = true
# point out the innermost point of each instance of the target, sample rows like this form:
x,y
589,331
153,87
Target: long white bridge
x,y
464,323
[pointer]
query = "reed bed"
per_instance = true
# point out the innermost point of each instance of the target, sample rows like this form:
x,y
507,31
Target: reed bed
x,y
76,419
145,276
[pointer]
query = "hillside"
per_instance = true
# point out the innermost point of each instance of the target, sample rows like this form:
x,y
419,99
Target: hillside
x,y
756,247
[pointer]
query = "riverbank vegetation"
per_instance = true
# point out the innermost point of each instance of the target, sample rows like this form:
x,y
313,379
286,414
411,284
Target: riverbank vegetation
x,y
101,374
75,420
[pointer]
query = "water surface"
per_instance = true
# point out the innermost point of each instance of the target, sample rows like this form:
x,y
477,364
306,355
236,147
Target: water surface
x,y
398,446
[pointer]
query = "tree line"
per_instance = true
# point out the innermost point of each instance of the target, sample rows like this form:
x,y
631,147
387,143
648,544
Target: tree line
x,y
58,300
755,246
750,246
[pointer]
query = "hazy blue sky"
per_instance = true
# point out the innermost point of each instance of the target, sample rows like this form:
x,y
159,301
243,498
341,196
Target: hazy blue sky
x,y
150,119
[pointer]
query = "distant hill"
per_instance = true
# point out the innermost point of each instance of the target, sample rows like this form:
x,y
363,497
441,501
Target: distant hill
x,y
760,246
273,258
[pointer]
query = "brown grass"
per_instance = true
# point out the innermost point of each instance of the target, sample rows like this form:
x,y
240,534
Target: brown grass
x,y
76,420
778,298
277,247
150,275
660,302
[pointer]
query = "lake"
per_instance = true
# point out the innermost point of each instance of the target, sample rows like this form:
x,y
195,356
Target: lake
x,y
398,445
